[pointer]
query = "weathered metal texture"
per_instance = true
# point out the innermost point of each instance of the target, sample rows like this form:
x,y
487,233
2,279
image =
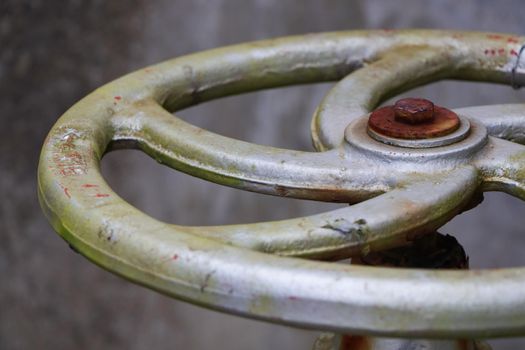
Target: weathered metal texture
x,y
414,110
459,134
434,251
329,341
430,251
384,120
415,191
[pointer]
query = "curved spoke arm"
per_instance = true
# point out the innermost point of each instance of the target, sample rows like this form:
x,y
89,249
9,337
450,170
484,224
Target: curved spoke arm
x,y
174,261
385,221
329,176
360,92
410,64
502,167
504,121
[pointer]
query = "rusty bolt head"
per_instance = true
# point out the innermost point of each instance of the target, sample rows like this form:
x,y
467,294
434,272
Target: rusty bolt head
x,y
413,119
414,110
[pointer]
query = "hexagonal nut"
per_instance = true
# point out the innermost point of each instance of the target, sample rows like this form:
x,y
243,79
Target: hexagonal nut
x,y
414,110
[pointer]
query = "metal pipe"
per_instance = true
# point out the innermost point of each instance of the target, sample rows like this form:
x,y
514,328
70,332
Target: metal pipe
x,y
435,251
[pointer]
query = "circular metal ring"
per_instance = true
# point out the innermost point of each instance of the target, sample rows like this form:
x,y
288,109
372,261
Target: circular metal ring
x,y
226,267
359,137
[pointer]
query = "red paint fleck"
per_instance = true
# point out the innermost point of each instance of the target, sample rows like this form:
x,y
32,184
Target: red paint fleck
x,y
69,162
501,51
118,98
89,185
513,52
512,40
494,36
101,195
388,31
175,257
66,191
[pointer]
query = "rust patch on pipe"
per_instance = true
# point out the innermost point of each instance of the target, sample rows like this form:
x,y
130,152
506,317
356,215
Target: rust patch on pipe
x,y
354,342
431,251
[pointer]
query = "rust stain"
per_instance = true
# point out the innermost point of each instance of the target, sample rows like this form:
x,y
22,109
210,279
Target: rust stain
x,y
414,110
281,190
352,342
464,344
386,121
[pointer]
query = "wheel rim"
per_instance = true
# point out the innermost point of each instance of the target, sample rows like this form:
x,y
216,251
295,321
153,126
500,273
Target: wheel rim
x,y
225,267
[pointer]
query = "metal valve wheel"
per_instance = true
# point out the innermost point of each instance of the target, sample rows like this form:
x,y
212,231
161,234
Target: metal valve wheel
x,y
403,187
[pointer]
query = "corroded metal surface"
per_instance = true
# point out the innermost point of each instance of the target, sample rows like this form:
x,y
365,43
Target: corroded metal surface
x,y
435,251
417,190
386,121
459,134
328,341
414,110
431,251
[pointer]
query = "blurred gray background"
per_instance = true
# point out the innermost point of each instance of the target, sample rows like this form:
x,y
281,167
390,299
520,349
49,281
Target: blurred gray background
x,y
54,52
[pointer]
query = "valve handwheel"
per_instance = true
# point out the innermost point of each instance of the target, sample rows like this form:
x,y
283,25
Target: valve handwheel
x,y
403,187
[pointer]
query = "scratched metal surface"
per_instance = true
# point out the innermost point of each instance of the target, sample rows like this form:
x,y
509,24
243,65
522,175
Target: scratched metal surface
x,y
423,188
65,303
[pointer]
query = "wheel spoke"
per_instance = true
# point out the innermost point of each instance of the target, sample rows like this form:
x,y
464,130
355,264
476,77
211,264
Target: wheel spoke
x,y
385,221
170,259
502,167
312,175
360,92
503,121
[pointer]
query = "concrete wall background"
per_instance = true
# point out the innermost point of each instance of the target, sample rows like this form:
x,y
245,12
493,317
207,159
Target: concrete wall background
x,y
52,53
